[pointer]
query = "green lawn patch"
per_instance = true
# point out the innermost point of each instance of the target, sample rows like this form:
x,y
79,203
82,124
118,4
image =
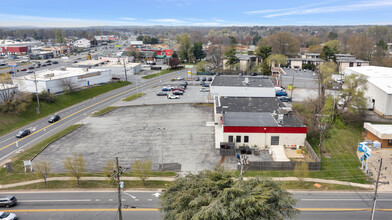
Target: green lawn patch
x,y
311,186
163,72
104,111
339,162
133,97
9,122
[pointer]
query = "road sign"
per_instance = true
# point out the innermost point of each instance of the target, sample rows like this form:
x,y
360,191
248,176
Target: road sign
x,y
12,65
290,87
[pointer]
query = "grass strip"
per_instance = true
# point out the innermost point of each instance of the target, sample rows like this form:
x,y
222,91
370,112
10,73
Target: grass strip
x,y
9,122
163,72
104,111
133,97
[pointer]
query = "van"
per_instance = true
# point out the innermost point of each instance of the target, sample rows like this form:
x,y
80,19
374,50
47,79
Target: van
x,y
7,201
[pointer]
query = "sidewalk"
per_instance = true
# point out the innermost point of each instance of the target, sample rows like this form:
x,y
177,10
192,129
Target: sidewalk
x,y
170,179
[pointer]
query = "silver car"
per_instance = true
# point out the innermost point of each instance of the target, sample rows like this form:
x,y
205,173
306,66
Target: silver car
x,y
8,216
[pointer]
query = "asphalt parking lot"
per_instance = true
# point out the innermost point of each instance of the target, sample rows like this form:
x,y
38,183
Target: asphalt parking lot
x,y
169,134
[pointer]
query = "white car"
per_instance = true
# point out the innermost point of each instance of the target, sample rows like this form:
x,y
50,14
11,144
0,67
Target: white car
x,y
180,78
204,90
7,216
29,71
171,96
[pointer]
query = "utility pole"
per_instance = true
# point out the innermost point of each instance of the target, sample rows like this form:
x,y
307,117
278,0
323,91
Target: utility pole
x,y
125,70
375,192
118,173
36,92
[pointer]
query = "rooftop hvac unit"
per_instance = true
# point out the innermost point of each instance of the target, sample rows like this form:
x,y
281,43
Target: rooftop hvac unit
x,y
49,75
63,68
280,119
286,110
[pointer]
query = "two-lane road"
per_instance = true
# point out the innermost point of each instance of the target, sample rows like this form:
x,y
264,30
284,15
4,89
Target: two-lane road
x,y
103,205
41,129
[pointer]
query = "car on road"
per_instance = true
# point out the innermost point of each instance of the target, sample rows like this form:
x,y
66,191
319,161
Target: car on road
x,y
44,64
24,69
55,62
48,61
253,74
54,118
30,68
281,93
197,79
209,78
11,72
161,94
180,78
204,90
75,61
172,96
7,201
8,216
23,133
284,98
178,93
205,85
29,71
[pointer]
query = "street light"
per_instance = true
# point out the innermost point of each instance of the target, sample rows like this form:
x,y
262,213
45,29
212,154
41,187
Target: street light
x,y
36,91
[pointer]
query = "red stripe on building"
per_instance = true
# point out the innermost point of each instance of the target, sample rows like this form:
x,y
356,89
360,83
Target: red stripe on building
x,y
300,130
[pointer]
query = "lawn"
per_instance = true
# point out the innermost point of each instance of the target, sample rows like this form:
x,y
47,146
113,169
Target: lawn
x,y
163,72
339,162
133,97
103,111
9,122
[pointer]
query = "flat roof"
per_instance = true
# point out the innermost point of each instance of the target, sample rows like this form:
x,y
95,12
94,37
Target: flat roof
x,y
270,105
51,74
382,131
379,76
122,65
89,63
306,59
239,81
249,119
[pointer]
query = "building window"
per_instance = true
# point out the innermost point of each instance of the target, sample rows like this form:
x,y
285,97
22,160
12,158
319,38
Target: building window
x,y
390,142
246,139
358,64
275,140
351,64
238,139
231,139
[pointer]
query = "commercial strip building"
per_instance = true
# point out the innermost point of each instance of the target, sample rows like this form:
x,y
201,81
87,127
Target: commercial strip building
x,y
379,87
242,86
118,69
83,43
379,132
56,80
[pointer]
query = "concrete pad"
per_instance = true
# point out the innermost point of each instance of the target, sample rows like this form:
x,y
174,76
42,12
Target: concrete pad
x,y
278,153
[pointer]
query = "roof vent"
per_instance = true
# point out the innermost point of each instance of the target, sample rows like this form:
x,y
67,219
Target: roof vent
x,y
280,119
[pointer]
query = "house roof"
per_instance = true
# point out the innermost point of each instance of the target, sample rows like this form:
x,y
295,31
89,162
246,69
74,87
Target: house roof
x,y
242,81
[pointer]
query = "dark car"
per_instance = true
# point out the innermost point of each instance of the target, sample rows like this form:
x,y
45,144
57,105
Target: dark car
x,y
48,61
209,78
284,99
75,61
30,68
44,64
54,118
23,133
178,93
11,72
48,64
24,69
197,79
7,201
281,93
205,85
253,74
55,62
161,94
203,79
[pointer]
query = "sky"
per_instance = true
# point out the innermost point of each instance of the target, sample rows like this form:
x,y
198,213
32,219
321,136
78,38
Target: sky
x,y
84,13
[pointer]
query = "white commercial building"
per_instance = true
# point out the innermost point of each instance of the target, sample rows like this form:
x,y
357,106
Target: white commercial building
x,y
242,86
84,43
56,80
117,60
118,69
379,89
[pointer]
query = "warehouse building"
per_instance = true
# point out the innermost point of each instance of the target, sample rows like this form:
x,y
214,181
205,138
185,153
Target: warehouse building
x,y
57,80
242,86
379,87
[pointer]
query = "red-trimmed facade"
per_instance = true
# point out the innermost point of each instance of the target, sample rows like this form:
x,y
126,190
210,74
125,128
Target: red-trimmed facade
x,y
238,129
14,49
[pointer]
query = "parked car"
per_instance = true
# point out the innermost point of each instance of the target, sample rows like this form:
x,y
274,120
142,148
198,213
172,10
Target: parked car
x,y
29,71
203,79
178,89
205,85
54,118
197,78
178,93
166,88
180,78
253,74
55,62
48,64
281,93
44,64
30,68
284,98
8,216
172,96
48,61
23,133
204,90
209,78
23,69
75,61
11,72
7,201
161,94
37,65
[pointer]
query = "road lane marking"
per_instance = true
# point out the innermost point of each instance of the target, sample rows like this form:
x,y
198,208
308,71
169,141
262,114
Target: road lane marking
x,y
341,209
90,106
384,200
57,200
79,210
110,200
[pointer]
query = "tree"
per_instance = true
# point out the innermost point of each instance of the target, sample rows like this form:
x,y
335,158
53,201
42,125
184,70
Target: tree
x,y
266,69
47,97
332,35
215,54
198,52
328,53
277,60
142,169
283,43
69,86
361,46
256,39
231,57
185,46
174,61
59,35
19,103
353,93
324,77
42,169
315,49
233,40
263,52
8,92
201,66
75,166
215,195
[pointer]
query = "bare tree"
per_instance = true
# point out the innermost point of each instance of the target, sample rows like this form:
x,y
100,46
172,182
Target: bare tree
x,y
324,77
283,43
142,169
215,54
75,166
361,46
42,169
68,85
353,93
108,170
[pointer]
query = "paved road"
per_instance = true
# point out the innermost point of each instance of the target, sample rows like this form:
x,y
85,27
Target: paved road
x,y
103,205
41,129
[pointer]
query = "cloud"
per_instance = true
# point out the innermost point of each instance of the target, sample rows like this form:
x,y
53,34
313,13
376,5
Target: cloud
x,y
310,9
128,19
289,9
219,20
167,20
